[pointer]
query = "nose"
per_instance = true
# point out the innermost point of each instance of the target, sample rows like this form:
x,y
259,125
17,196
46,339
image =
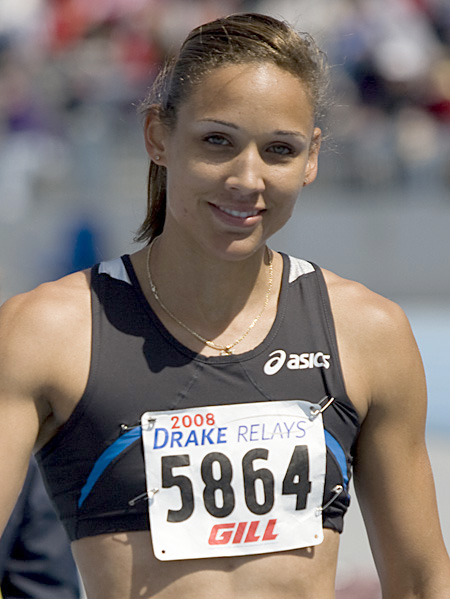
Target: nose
x,y
246,174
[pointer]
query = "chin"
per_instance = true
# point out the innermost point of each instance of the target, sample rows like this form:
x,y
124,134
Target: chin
x,y
237,250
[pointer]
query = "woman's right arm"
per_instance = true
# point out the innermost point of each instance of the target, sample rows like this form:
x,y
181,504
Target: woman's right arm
x,y
45,339
22,356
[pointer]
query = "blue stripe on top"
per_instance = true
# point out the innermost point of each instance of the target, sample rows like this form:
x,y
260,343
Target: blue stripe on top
x,y
106,458
125,440
339,454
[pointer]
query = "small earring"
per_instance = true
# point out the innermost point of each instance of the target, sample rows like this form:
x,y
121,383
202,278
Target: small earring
x,y
157,157
305,181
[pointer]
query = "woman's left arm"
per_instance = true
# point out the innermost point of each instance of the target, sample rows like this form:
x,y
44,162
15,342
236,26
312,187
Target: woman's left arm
x,y
393,477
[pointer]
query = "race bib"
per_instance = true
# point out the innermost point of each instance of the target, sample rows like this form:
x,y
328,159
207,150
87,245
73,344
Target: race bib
x,y
235,479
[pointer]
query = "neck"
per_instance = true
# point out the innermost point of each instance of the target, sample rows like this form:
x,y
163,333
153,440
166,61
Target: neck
x,y
202,298
207,289
224,348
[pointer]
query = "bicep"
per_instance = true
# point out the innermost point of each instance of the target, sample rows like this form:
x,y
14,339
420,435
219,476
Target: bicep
x,y
19,409
393,477
20,425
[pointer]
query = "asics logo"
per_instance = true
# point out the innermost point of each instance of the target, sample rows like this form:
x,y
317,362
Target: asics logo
x,y
278,358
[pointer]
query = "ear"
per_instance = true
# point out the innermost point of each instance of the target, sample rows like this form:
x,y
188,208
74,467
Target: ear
x,y
313,158
155,135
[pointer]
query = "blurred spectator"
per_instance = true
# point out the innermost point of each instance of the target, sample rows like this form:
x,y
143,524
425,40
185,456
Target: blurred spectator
x,y
35,557
71,71
82,247
390,61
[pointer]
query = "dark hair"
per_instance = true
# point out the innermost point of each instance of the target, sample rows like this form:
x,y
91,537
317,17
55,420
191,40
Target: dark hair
x,y
237,39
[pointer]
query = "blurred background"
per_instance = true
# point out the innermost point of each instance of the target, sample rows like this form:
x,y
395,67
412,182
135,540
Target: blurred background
x,y
73,166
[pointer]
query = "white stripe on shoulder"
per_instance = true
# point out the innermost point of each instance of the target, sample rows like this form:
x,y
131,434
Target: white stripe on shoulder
x,y
115,269
298,267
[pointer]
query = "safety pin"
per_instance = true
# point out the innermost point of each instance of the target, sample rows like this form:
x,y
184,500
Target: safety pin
x,y
151,422
314,412
337,490
128,427
143,497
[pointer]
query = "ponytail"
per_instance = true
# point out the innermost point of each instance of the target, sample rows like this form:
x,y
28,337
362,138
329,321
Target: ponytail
x,y
156,204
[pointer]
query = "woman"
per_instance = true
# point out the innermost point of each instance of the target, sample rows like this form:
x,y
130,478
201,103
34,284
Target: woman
x,y
247,380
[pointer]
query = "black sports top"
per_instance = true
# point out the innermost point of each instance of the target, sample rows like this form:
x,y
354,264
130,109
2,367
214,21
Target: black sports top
x,y
94,466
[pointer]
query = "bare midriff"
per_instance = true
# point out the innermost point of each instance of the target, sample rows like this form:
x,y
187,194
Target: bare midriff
x,y
122,566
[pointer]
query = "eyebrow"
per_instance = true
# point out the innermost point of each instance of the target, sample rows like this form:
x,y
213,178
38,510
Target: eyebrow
x,y
219,122
233,126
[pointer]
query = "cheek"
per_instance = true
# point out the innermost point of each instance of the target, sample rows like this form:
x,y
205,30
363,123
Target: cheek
x,y
196,175
204,173
286,211
287,188
289,180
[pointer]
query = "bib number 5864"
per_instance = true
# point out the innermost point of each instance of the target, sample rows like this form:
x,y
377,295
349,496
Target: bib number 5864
x,y
217,473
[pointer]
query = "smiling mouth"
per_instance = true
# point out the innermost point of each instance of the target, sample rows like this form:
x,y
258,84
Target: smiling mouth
x,y
239,213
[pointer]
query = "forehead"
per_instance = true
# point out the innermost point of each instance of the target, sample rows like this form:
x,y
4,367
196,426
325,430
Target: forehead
x,y
252,93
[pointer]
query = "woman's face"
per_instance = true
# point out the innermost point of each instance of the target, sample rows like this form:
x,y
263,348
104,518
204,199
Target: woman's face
x,y
242,148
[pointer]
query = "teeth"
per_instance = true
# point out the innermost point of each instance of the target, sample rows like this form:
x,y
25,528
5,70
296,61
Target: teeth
x,y
238,213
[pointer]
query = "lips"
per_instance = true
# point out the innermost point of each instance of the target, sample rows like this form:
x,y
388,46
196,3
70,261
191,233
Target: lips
x,y
238,213
235,217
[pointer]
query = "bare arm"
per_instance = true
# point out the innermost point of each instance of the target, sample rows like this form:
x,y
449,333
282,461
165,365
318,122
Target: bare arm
x,y
393,475
21,414
393,479
44,361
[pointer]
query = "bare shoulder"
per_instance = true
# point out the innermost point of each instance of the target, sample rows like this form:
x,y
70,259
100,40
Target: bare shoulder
x,y
375,339
365,310
50,309
392,473
41,333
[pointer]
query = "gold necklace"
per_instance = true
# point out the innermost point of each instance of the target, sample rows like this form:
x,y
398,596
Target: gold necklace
x,y
225,350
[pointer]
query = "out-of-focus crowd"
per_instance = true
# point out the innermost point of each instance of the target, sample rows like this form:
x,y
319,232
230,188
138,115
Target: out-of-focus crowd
x,y
71,72
390,59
